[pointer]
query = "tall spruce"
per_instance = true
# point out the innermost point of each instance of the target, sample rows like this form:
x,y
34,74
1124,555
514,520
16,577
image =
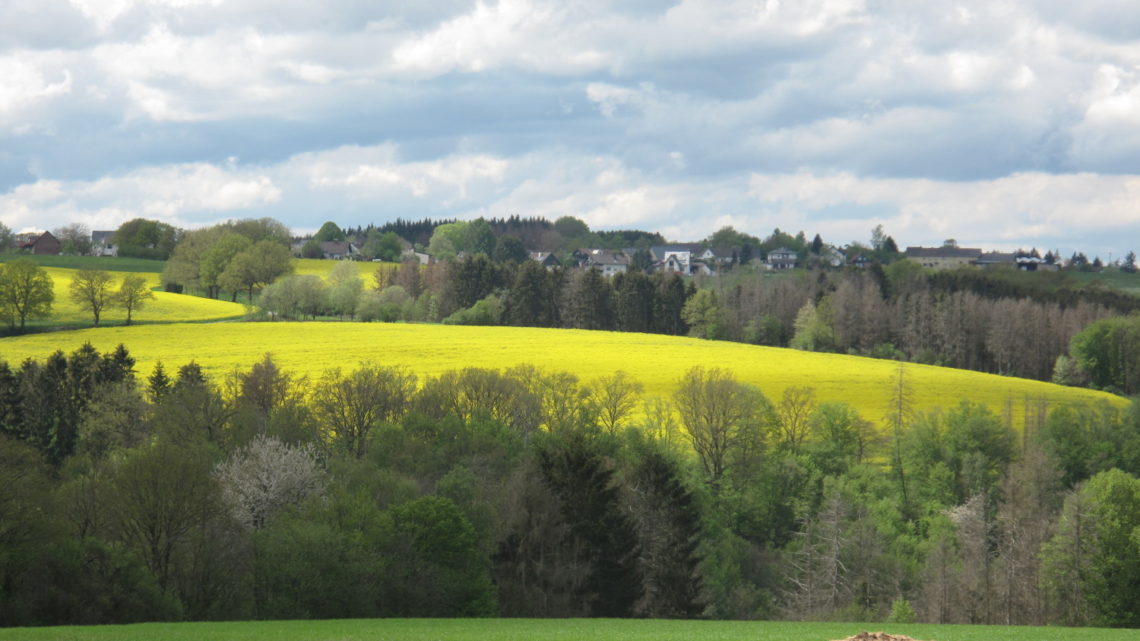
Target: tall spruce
x,y
670,526
589,502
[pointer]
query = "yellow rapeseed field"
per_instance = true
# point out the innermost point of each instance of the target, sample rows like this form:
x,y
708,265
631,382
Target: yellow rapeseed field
x,y
165,307
656,361
323,268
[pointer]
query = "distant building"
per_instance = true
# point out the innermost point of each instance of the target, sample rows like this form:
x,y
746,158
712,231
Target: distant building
x,y
546,259
782,258
103,243
43,244
997,259
944,257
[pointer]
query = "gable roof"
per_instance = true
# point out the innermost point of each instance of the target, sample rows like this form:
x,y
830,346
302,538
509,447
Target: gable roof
x,y
942,252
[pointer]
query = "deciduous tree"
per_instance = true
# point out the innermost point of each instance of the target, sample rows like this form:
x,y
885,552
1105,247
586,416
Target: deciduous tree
x,y
91,290
26,291
133,294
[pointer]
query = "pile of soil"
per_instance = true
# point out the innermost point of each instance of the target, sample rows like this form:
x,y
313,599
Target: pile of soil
x,y
878,636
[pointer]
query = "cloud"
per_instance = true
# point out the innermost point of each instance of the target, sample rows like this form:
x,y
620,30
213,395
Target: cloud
x,y
180,194
935,119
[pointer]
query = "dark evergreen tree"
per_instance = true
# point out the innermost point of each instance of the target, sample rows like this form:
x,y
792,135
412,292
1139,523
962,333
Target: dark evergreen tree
x,y
746,254
670,526
158,383
590,302
509,249
641,261
46,402
532,300
473,279
670,302
11,419
635,300
588,498
816,244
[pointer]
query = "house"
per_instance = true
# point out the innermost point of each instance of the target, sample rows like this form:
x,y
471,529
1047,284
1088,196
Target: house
x,y
103,243
997,259
671,265
944,257
411,254
610,263
546,259
782,258
672,258
336,250
607,262
44,244
860,262
833,256
723,255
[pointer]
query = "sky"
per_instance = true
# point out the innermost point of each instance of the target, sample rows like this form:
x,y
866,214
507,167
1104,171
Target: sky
x,y
1001,124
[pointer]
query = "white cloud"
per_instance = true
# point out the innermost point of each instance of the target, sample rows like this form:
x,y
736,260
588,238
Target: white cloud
x,y
175,193
25,85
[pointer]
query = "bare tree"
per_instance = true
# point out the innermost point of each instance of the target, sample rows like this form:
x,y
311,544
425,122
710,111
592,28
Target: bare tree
x,y
615,396
75,239
723,418
350,406
265,476
794,415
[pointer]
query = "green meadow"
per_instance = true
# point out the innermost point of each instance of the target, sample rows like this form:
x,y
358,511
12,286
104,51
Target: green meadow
x,y
547,630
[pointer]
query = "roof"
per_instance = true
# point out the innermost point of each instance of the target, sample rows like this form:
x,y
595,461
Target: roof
x,y
335,248
991,258
942,252
102,237
603,257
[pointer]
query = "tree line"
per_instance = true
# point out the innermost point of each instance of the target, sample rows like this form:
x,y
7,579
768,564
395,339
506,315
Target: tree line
x,y
27,292
901,312
521,492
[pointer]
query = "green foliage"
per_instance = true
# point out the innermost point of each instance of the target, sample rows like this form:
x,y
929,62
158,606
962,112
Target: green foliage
x,y
26,291
1092,563
142,238
91,289
901,612
703,315
1109,352
329,232
132,295
487,311
436,567
383,246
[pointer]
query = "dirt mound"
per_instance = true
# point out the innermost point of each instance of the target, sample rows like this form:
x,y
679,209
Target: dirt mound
x,y
878,636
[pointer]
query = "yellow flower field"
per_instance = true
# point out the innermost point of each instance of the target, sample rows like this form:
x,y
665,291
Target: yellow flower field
x,y
165,307
322,268
656,361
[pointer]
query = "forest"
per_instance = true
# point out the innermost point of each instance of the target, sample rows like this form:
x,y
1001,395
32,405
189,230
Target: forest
x,y
521,492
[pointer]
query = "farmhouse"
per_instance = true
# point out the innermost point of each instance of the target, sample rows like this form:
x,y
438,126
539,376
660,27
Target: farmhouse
x,y
44,244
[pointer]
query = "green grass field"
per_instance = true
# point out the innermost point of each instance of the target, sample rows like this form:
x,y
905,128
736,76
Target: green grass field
x,y
656,361
545,630
109,263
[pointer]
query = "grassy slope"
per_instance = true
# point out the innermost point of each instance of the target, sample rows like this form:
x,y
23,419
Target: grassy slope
x,y
656,361
546,630
165,307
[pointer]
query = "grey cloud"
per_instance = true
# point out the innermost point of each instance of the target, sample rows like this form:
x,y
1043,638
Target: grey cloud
x,y
43,24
